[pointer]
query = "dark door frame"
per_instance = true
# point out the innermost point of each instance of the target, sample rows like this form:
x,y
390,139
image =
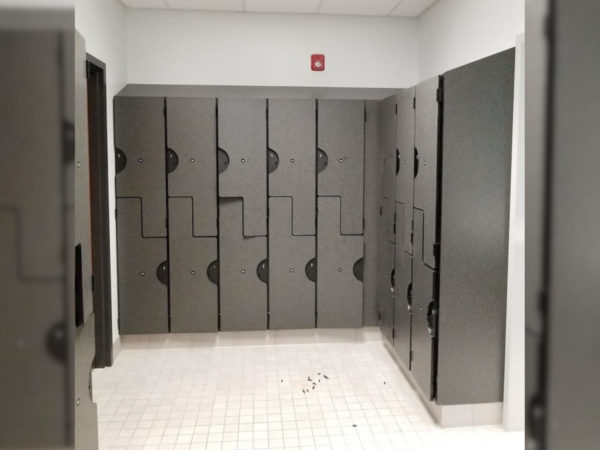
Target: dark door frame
x,y
99,209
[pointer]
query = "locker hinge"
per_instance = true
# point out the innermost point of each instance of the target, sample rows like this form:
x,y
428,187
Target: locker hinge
x,y
436,250
410,356
365,115
439,95
393,333
396,109
414,102
115,213
379,315
167,223
93,282
165,111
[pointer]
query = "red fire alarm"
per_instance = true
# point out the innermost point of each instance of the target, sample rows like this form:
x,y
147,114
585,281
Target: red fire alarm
x,y
317,62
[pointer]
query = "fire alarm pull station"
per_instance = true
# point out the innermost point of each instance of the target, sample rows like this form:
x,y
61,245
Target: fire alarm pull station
x,y
317,62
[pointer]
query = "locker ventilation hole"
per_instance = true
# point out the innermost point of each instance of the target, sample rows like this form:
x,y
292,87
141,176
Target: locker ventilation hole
x,y
172,160
120,160
359,269
262,271
212,272
311,270
222,160
272,160
162,273
322,161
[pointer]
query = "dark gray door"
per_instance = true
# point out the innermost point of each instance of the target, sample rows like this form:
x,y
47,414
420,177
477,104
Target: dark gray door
x,y
193,296
192,158
291,292
143,296
403,305
243,294
140,158
387,281
341,125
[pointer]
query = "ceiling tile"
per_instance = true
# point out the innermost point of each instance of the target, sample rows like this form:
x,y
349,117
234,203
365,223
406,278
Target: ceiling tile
x,y
283,6
207,5
358,7
153,4
412,8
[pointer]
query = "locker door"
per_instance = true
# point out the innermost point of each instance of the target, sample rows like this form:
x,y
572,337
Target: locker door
x,y
143,298
243,295
424,317
387,142
192,158
291,292
387,282
426,161
406,164
292,159
403,305
193,296
339,292
140,158
242,134
340,163
388,220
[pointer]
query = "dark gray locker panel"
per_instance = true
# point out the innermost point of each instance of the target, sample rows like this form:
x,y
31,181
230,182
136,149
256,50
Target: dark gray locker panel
x,y
478,116
388,219
143,298
403,305
243,295
140,158
387,141
387,282
291,292
292,136
192,159
243,136
341,136
193,297
406,164
339,292
426,161
423,317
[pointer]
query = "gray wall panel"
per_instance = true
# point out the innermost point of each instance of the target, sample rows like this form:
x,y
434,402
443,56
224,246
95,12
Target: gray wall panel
x,y
478,115
292,135
192,135
339,293
291,293
140,135
341,126
193,297
242,134
243,296
426,143
143,302
387,142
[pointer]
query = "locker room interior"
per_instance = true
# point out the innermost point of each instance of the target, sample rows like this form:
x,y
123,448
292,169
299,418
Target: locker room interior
x,y
265,224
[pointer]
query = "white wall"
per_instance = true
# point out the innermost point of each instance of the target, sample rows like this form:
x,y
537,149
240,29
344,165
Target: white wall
x,y
185,47
102,25
455,32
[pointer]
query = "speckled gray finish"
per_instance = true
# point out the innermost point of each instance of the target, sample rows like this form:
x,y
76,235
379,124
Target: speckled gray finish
x,y
192,134
140,134
242,134
341,126
478,116
143,300
193,297
292,135
292,295
243,296
339,293
426,143
372,195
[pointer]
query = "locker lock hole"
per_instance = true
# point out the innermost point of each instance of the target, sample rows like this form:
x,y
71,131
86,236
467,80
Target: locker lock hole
x,y
192,160
140,160
292,160
339,269
193,272
243,160
142,274
292,270
341,160
243,270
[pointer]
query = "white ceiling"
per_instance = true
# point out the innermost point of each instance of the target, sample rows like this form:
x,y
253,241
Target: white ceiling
x,y
404,8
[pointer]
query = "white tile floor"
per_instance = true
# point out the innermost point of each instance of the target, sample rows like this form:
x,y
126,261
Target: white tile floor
x,y
251,397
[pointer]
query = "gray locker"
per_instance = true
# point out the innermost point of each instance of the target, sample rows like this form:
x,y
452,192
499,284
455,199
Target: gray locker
x,y
388,220
140,158
403,305
339,292
242,131
292,166
243,296
340,164
387,280
291,292
387,142
406,165
426,161
143,297
192,158
193,296
423,314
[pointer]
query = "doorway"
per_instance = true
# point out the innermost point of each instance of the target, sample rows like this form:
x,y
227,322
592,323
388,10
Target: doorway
x,y
96,100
